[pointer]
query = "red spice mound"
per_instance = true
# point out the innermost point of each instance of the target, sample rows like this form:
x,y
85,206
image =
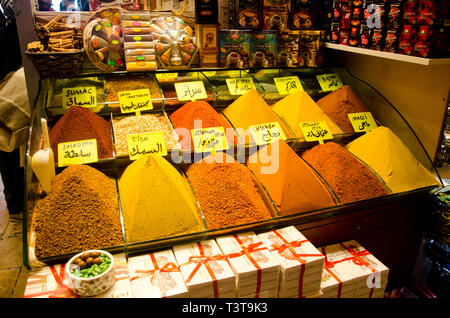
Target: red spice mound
x,y
80,123
350,179
185,116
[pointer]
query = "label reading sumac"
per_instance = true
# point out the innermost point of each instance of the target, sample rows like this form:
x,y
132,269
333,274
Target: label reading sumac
x,y
79,96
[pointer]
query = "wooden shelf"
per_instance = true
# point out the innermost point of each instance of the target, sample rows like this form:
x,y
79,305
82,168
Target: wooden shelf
x,y
391,56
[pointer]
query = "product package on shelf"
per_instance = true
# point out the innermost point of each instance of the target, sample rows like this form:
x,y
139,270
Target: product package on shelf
x,y
256,268
207,41
205,270
350,271
301,263
156,275
276,15
51,282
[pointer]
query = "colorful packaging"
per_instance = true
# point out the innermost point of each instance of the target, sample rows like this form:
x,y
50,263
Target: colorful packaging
x,y
353,39
376,39
333,36
346,15
302,15
310,48
263,49
343,37
394,15
406,39
234,49
276,15
427,12
207,40
249,14
390,41
423,41
364,36
288,49
206,12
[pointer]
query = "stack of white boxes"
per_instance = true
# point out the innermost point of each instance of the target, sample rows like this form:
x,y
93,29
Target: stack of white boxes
x,y
205,270
156,275
257,270
352,272
301,263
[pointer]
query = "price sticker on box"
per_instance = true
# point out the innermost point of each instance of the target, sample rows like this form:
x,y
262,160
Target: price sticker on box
x,y
166,76
329,82
80,96
135,101
316,131
288,84
209,139
146,143
362,121
77,152
189,91
267,133
240,86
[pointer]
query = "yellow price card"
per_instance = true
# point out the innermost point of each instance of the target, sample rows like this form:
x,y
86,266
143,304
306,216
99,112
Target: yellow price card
x,y
77,152
288,84
79,96
146,143
240,86
267,133
209,139
329,82
166,76
316,131
362,121
190,91
135,101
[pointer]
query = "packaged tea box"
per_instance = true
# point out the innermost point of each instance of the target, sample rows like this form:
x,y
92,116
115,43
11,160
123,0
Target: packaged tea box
x,y
263,49
276,15
287,53
234,48
249,14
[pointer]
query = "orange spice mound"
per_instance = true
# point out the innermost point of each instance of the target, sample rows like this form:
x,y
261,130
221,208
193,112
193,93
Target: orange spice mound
x,y
227,192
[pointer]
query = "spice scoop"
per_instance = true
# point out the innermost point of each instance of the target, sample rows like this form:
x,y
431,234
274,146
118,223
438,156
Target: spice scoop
x,y
43,162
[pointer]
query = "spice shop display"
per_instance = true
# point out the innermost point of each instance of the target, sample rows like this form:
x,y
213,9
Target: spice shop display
x,y
350,179
256,268
389,157
80,213
263,49
301,263
79,123
228,193
292,184
234,49
157,201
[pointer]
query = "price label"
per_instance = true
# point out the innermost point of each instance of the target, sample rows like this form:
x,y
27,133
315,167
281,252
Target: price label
x,y
166,76
240,86
267,133
142,144
362,121
135,101
288,84
329,82
190,91
316,131
77,152
80,96
209,139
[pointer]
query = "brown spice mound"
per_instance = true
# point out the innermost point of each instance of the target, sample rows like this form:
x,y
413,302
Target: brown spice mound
x,y
81,213
227,192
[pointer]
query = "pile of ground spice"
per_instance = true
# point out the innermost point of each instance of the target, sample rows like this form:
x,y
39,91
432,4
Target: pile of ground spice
x,y
81,213
80,123
350,179
338,104
292,184
204,114
227,192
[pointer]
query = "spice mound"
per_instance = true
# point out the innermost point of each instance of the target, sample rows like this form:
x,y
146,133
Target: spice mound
x,y
292,184
392,160
227,191
199,114
300,107
81,213
350,179
157,201
90,264
80,123
338,104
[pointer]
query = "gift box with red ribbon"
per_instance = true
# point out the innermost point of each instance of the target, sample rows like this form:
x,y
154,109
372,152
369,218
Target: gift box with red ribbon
x,y
156,275
350,271
256,268
205,270
51,282
301,263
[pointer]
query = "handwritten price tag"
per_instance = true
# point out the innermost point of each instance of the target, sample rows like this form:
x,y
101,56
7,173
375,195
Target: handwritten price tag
x,y
166,76
240,86
142,144
362,121
267,133
135,101
79,96
77,152
316,131
209,139
190,91
288,84
329,82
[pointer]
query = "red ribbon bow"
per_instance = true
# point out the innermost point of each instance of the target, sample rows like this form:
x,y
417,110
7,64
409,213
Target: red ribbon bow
x,y
63,291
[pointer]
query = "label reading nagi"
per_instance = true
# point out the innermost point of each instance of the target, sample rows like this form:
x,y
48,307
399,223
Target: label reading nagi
x,y
135,101
267,133
79,96
316,131
146,143
77,152
239,86
288,84
329,82
362,121
209,139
